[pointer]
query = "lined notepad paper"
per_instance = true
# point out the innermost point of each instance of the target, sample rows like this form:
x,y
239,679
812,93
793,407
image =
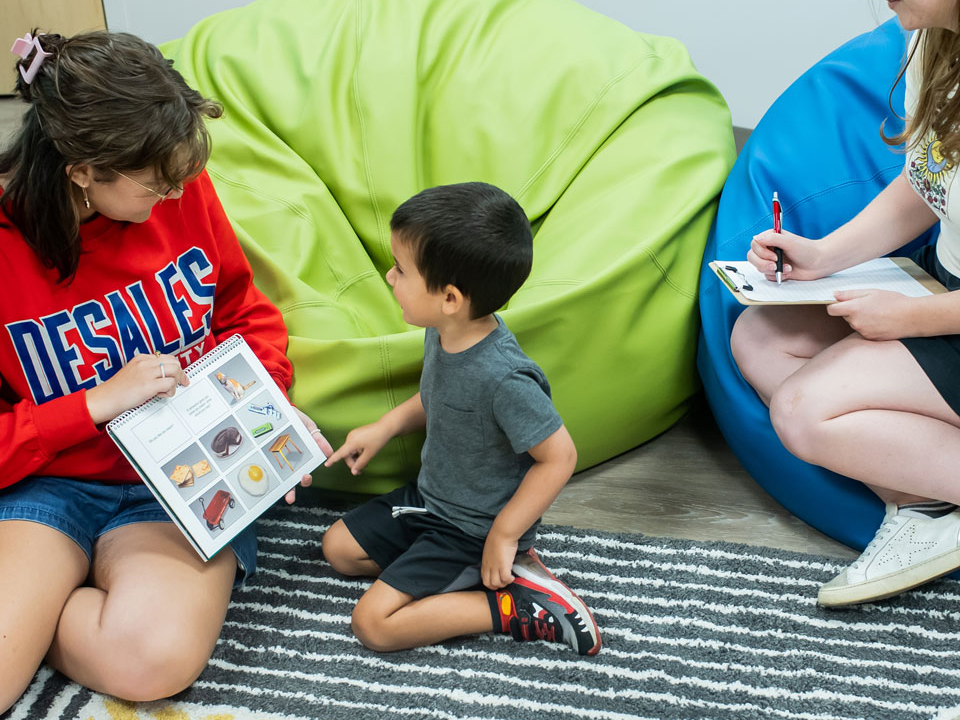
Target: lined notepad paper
x,y
879,274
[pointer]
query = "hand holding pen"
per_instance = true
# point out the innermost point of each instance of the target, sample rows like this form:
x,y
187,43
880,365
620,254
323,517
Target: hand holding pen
x,y
778,229
799,258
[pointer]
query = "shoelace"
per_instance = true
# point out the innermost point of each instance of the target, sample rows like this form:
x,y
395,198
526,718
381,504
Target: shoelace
x,y
885,529
544,630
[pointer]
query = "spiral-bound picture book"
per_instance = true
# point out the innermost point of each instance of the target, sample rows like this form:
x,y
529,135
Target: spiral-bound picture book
x,y
222,450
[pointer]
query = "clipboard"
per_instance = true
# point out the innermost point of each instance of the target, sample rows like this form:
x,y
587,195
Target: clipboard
x,y
900,274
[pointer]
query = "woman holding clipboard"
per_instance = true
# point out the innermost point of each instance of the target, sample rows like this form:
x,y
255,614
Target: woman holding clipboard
x,y
871,389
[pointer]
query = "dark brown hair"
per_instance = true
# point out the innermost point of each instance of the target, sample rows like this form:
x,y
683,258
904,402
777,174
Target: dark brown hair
x,y
109,100
938,103
471,235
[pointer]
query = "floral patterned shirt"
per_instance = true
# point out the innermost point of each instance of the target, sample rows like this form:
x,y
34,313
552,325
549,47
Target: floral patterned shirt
x,y
933,176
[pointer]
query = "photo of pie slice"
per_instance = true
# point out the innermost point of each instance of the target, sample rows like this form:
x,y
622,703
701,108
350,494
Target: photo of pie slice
x,y
226,442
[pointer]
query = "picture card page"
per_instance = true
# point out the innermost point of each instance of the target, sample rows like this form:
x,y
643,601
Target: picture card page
x,y
222,450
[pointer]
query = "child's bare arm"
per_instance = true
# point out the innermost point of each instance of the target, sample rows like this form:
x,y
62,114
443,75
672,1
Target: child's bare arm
x,y
555,459
364,442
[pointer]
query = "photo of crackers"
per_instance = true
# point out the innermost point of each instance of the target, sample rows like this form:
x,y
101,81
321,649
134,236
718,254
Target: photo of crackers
x,y
183,475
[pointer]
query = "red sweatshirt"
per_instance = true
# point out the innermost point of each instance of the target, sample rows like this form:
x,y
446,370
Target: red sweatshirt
x,y
178,283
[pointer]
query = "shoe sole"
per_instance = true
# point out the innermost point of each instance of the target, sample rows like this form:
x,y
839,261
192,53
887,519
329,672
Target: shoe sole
x,y
563,590
890,585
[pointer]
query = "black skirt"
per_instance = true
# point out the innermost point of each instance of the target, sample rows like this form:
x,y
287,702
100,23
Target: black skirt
x,y
939,356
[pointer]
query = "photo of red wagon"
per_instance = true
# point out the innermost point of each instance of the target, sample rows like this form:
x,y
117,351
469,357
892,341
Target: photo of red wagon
x,y
214,511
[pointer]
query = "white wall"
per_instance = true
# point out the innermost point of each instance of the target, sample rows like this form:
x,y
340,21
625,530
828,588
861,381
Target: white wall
x,y
751,49
159,21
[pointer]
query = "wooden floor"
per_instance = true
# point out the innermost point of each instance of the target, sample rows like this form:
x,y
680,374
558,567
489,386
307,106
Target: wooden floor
x,y
685,483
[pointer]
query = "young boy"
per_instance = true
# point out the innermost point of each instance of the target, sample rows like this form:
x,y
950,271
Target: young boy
x,y
496,452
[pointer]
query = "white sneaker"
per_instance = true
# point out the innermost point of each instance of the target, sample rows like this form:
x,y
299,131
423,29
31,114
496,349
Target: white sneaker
x,y
909,549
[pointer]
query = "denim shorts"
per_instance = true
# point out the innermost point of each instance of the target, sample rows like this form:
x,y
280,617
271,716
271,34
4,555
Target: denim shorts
x,y
83,510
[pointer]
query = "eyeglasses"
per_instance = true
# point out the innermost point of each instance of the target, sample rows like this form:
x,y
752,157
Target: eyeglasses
x,y
162,195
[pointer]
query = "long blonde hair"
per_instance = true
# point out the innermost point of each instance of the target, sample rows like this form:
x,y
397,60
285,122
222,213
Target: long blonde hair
x,y
938,101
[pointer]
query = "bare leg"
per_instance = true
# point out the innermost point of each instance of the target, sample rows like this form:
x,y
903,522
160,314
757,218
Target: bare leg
x,y
39,568
344,553
147,627
769,344
867,410
386,619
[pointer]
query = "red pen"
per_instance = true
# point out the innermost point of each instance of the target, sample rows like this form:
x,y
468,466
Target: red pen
x,y
777,227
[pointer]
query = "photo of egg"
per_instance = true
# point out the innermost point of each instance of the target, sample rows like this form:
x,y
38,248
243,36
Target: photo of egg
x,y
253,479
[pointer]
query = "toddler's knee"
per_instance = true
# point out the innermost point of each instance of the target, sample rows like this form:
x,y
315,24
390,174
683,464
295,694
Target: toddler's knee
x,y
340,550
333,546
371,630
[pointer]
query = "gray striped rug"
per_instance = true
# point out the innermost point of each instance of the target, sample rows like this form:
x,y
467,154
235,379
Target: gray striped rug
x,y
691,630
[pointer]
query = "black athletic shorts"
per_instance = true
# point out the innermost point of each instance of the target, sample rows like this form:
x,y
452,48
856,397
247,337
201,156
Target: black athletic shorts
x,y
420,554
939,356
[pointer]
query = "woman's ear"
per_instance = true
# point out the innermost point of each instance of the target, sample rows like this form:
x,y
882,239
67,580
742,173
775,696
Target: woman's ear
x,y
80,174
453,300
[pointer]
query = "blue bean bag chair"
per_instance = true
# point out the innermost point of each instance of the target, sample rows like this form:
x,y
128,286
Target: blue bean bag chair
x,y
820,148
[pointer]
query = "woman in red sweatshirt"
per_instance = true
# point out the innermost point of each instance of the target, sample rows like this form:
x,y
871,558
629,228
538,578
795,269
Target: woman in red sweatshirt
x,y
119,269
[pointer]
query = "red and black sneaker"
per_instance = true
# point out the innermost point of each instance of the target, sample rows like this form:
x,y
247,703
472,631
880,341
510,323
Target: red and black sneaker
x,y
537,606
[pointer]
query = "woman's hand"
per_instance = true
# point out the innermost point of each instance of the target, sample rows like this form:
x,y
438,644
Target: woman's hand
x,y
136,382
496,566
361,445
325,448
802,258
876,314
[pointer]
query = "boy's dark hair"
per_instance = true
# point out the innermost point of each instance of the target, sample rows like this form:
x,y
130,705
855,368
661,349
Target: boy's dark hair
x,y
473,236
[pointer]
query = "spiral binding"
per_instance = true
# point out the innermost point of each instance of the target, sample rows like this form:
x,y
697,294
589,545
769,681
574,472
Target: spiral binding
x,y
224,348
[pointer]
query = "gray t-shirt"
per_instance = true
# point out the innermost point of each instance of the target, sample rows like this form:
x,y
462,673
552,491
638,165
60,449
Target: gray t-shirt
x,y
485,407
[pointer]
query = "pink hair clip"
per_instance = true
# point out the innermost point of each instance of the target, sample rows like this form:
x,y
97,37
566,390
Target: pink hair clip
x,y
22,47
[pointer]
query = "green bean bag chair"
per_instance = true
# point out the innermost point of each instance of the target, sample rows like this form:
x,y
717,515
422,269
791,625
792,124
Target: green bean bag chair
x,y
336,111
